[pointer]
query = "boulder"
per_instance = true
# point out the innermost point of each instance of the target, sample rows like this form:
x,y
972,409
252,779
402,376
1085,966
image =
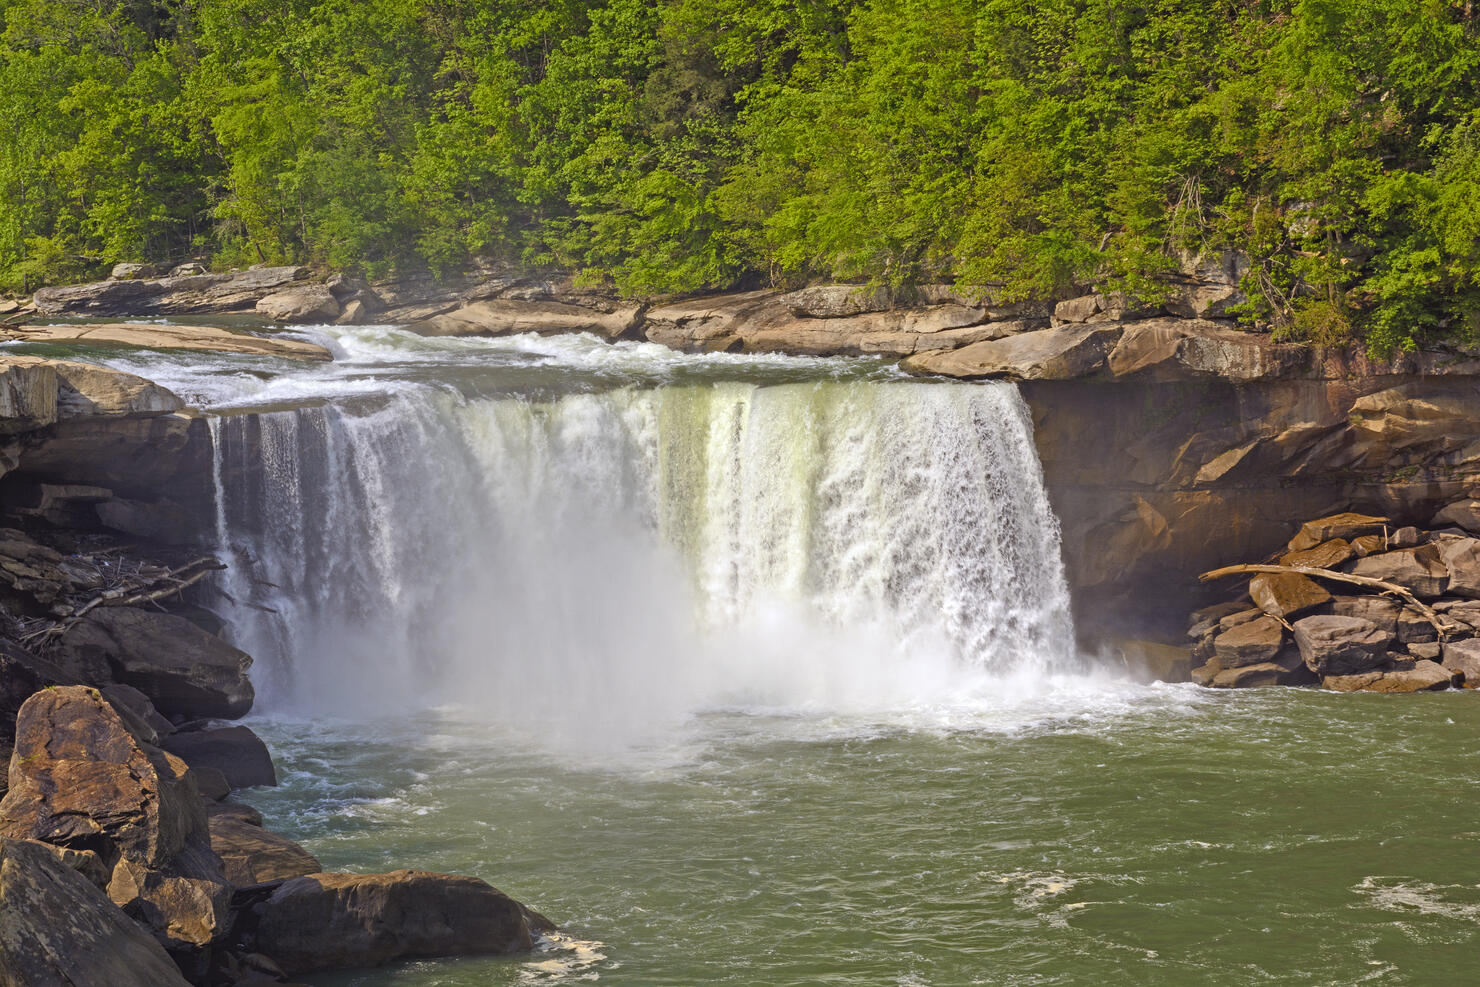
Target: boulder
x,y
1326,555
183,670
1409,537
1461,514
237,752
309,303
1365,545
79,779
1286,594
1463,658
326,921
128,272
1334,645
211,783
1419,569
1381,610
1461,559
244,813
86,389
56,927
354,313
1250,643
253,855
1347,525
1188,349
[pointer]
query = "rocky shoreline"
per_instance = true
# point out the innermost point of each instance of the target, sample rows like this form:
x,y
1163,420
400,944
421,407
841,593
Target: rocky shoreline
x,y
125,856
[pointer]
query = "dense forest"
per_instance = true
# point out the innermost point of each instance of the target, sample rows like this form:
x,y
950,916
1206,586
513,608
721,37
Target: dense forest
x,y
673,145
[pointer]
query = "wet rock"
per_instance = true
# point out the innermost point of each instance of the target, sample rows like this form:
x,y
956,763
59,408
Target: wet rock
x,y
309,303
1347,526
1286,594
183,670
237,752
1461,559
1250,643
1334,645
326,921
1461,514
1326,555
1418,569
1204,675
253,855
57,928
211,783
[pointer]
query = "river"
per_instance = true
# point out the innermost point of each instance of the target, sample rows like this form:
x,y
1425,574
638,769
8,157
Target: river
x,y
760,670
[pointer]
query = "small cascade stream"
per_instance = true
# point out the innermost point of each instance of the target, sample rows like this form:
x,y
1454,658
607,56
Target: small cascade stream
x,y
595,564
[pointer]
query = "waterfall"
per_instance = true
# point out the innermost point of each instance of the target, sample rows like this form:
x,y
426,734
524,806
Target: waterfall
x,y
600,562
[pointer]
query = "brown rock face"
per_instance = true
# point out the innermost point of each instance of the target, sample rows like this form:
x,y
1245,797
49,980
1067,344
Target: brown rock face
x,y
253,855
1333,645
324,921
1286,669
182,669
1250,643
79,779
1286,594
58,928
1419,569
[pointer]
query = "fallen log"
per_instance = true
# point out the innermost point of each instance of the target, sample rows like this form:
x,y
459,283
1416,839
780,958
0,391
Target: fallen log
x,y
1384,587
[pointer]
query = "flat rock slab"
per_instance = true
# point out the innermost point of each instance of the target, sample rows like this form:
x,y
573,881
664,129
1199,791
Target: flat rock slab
x,y
1344,526
1250,643
1048,354
207,339
1332,645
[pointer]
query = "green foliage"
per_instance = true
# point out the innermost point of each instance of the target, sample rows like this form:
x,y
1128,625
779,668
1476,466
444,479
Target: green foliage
x,y
674,145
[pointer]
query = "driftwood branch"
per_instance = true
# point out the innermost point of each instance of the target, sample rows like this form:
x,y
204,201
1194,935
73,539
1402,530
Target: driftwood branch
x,y
1381,585
155,586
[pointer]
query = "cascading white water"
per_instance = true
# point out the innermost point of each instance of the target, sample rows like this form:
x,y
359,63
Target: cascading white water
x,y
598,564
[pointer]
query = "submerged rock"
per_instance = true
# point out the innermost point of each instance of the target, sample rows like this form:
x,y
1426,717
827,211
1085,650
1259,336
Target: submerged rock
x,y
57,928
327,921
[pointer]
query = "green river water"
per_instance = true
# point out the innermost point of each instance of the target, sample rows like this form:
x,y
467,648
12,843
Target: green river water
x,y
1115,834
